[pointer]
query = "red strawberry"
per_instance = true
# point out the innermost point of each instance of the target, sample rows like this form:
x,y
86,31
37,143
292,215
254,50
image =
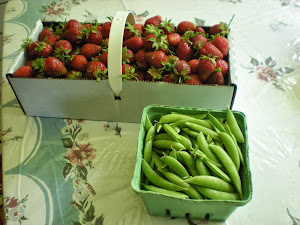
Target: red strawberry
x,y
73,24
96,70
216,78
62,50
167,26
194,64
174,39
210,50
134,43
182,68
90,50
222,44
155,58
72,35
52,39
206,67
132,30
103,57
140,75
127,55
43,49
105,29
79,62
184,51
74,75
24,71
148,42
155,21
169,78
63,44
221,63
194,80
220,28
129,73
53,67
154,74
184,26
32,54
198,40
200,30
140,59
47,31
95,37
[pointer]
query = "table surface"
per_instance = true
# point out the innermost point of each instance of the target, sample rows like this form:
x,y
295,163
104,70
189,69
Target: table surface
x,y
41,185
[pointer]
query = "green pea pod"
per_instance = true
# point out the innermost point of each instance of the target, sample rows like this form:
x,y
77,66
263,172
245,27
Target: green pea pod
x,y
234,126
211,182
181,123
199,116
148,123
173,154
166,192
170,118
176,128
190,132
203,145
216,123
217,195
229,167
158,162
201,168
168,144
186,142
157,180
163,136
175,166
151,133
189,162
230,148
217,171
204,130
173,133
148,151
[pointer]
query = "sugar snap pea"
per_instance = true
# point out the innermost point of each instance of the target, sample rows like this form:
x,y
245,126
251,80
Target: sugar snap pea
x,y
217,171
181,123
201,168
175,166
163,136
173,133
203,145
189,131
168,144
230,168
148,123
151,133
216,123
230,148
189,162
185,141
204,130
157,180
148,151
172,117
199,116
158,162
234,126
211,182
217,195
166,192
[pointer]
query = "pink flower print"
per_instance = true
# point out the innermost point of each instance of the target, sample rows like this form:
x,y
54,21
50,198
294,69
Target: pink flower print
x,y
81,154
55,9
265,73
13,202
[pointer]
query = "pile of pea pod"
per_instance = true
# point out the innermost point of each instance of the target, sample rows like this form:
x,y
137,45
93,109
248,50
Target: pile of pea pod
x,y
194,156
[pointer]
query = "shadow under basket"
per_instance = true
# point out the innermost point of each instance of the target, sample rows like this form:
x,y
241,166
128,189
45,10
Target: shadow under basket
x,y
204,209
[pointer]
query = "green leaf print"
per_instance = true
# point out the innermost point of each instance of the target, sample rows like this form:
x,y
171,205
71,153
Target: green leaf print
x,y
90,214
67,142
82,172
67,169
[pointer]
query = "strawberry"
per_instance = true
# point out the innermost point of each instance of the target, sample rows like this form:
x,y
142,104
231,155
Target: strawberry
x,y
200,30
53,67
169,78
184,26
74,75
140,75
221,43
62,50
155,21
154,74
206,67
184,51
72,35
79,62
105,29
171,62
194,63
46,32
174,39
140,60
193,80
24,71
209,49
73,24
151,29
216,78
96,70
63,44
182,68
155,58
29,46
91,34
103,57
221,63
132,30
220,28
198,40
128,72
90,50
43,49
167,26
127,55
52,39
156,42
134,43
38,66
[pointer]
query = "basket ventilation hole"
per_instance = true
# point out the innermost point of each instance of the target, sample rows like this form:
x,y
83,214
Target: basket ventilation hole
x,y
117,98
168,212
207,216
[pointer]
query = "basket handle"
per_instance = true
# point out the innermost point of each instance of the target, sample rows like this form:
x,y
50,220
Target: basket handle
x,y
115,45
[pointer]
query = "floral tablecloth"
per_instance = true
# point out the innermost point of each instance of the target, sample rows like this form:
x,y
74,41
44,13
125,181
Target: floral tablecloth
x,y
46,181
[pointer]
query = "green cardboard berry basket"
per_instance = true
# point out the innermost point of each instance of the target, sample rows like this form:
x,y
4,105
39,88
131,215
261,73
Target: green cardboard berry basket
x,y
204,209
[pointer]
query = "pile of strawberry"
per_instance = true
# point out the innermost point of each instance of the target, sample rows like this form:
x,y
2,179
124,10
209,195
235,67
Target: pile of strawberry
x,y
156,50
